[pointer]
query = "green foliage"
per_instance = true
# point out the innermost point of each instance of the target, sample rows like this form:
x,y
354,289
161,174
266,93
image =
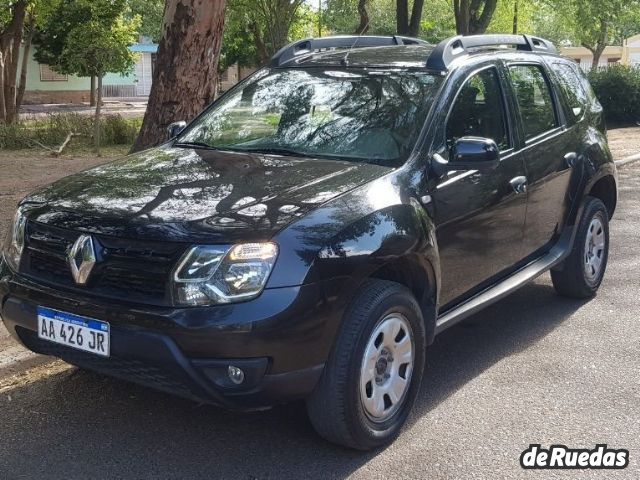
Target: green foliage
x,y
438,21
305,24
151,12
117,130
107,51
502,19
237,45
51,35
88,38
618,89
598,23
247,28
553,20
53,129
341,16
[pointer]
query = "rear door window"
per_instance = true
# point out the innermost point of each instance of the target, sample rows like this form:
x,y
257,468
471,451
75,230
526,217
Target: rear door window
x,y
534,98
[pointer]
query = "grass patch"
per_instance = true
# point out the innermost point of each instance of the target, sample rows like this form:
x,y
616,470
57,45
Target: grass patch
x,y
52,129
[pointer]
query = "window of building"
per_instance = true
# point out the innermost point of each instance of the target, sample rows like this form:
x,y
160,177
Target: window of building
x,y
48,75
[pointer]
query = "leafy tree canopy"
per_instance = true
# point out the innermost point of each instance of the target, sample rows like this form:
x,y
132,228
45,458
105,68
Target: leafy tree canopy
x,y
256,29
151,13
88,37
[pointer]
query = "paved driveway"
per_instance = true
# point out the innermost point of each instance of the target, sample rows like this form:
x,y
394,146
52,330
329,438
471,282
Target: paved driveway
x,y
533,368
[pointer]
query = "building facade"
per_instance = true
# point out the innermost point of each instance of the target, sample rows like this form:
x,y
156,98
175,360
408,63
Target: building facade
x,y
627,54
46,86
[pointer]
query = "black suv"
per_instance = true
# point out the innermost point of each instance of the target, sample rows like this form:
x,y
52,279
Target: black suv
x,y
309,234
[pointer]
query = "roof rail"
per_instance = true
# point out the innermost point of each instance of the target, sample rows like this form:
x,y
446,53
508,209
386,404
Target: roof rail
x,y
451,48
304,47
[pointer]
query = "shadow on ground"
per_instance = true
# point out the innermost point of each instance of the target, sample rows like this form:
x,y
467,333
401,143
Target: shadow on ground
x,y
79,425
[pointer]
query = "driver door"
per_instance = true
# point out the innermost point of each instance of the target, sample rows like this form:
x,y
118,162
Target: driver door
x,y
479,216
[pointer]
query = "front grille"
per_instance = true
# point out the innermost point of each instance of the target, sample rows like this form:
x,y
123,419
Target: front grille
x,y
131,270
125,369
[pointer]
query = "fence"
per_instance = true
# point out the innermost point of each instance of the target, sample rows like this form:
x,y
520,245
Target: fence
x,y
119,91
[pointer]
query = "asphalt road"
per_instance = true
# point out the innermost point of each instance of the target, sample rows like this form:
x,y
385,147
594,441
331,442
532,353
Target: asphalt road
x,y
533,368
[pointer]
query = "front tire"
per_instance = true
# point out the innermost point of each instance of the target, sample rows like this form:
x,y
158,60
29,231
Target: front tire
x,y
373,373
584,268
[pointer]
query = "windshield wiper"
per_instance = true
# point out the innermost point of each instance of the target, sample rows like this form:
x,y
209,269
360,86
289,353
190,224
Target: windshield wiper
x,y
273,151
194,145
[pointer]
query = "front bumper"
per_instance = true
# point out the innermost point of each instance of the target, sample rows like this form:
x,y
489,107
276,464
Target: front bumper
x,y
280,340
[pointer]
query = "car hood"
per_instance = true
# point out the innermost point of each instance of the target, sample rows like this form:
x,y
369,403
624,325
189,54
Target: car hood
x,y
195,195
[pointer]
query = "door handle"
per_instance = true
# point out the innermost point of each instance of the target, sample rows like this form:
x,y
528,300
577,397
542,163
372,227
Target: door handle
x,y
571,159
519,184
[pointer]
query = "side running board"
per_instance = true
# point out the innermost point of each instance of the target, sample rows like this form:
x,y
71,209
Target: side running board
x,y
500,290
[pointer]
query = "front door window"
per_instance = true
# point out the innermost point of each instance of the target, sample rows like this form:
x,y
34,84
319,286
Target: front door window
x,y
478,110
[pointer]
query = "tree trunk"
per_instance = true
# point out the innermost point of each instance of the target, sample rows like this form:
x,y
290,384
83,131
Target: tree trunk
x,y
261,48
402,17
278,15
10,41
23,69
473,16
461,12
597,53
270,22
600,45
515,17
416,17
186,74
479,22
363,27
92,93
96,120
3,109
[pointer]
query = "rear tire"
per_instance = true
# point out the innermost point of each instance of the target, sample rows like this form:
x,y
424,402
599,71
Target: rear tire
x,y
373,373
584,268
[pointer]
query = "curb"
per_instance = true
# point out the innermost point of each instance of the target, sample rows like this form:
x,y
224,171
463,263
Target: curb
x,y
16,359
627,160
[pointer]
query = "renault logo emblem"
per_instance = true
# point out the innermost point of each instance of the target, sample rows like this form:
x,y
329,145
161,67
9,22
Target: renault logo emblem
x,y
82,258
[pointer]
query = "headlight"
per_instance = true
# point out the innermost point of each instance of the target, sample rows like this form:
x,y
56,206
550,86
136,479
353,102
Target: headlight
x,y
209,275
15,240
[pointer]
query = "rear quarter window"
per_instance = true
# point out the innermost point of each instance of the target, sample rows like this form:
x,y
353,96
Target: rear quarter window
x,y
574,89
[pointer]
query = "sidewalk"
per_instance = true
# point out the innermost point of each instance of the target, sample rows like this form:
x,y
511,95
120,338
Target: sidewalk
x,y
127,107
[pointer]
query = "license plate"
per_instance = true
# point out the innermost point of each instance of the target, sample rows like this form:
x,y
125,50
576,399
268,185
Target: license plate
x,y
73,331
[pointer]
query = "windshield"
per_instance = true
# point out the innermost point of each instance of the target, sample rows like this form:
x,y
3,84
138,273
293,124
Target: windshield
x,y
356,114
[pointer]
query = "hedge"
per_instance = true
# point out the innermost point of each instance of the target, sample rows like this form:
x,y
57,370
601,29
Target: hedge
x,y
618,89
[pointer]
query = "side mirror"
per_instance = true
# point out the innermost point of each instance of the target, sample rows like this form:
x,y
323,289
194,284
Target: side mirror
x,y
473,153
175,128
